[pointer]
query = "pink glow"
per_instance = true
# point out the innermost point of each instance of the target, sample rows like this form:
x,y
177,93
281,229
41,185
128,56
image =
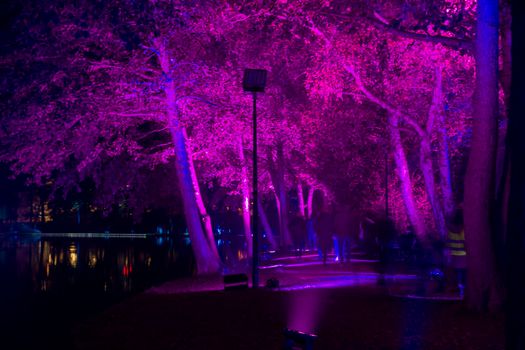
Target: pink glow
x,y
304,310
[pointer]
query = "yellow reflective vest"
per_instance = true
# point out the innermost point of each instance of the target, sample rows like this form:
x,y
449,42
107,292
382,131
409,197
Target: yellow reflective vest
x,y
456,243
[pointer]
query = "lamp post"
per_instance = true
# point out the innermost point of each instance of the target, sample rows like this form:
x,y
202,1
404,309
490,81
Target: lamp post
x,y
254,81
386,183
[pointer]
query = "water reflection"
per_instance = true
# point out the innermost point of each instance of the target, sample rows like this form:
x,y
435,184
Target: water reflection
x,y
89,265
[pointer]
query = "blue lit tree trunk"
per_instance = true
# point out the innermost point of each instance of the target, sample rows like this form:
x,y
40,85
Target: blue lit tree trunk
x,y
482,279
266,226
404,176
207,261
206,219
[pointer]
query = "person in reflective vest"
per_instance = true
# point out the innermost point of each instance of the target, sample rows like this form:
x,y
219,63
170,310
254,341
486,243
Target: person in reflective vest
x,y
456,251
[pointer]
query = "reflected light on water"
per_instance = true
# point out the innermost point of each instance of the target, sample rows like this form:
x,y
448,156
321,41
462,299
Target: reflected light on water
x,y
92,267
92,260
73,257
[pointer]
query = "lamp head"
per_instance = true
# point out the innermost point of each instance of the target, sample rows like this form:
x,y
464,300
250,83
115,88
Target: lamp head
x,y
254,80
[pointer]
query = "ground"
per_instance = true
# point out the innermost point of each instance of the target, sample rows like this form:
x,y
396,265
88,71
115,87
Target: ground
x,y
343,305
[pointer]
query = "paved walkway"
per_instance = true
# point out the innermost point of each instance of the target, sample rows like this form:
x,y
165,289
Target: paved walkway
x,y
343,304
291,272
296,273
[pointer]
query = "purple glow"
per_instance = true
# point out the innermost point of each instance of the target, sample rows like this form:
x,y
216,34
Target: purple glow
x,y
304,311
316,263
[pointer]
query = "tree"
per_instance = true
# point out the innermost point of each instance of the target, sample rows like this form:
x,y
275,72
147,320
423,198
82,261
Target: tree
x,y
123,66
483,282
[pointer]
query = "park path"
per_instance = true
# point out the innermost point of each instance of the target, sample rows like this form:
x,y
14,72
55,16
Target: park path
x,y
343,304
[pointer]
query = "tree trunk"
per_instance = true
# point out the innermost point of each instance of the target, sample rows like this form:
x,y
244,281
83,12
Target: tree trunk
x,y
310,202
277,177
502,158
206,219
482,290
404,176
300,197
428,176
506,51
426,164
206,260
399,153
445,179
266,225
245,199
283,198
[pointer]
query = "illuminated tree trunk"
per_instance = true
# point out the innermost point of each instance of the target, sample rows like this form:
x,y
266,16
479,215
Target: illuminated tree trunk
x,y
445,178
283,198
482,281
277,177
428,176
310,202
404,176
206,219
266,225
206,260
300,197
436,109
438,116
245,199
502,160
399,153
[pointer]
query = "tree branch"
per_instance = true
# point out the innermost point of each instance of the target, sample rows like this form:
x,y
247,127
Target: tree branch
x,y
454,43
383,104
134,115
149,133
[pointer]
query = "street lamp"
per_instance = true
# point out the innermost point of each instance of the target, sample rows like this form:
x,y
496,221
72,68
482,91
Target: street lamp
x,y
387,216
254,81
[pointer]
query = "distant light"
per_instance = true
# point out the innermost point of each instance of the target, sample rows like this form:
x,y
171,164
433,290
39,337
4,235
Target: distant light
x,y
73,259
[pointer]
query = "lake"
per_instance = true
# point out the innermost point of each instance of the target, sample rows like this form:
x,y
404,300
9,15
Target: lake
x,y
49,282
